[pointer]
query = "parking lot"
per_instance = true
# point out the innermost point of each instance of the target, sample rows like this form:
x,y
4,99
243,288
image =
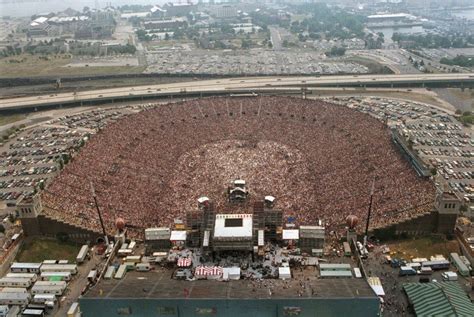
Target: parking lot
x,y
30,158
442,142
259,62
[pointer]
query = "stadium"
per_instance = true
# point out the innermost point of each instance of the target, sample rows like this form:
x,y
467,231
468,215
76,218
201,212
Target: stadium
x,y
318,159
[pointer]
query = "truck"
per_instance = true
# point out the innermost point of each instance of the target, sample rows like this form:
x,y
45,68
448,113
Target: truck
x,y
449,276
81,256
407,270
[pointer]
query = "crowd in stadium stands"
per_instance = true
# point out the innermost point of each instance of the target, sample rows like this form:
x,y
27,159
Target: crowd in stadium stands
x,y
318,159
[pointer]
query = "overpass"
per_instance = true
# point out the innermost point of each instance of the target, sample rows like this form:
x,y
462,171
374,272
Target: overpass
x,y
261,85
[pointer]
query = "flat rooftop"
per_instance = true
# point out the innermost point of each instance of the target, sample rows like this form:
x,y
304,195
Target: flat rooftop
x,y
159,284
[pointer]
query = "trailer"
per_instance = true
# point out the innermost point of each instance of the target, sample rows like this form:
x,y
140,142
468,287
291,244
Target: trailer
x,y
121,272
132,245
15,282
81,256
133,258
124,252
92,276
32,276
73,311
14,298
64,276
71,268
45,287
19,267
43,298
14,290
110,272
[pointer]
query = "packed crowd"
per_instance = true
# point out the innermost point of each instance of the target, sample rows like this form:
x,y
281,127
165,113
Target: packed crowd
x,y
318,159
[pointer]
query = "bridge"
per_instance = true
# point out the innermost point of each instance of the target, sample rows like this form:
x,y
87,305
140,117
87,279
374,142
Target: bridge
x,y
243,85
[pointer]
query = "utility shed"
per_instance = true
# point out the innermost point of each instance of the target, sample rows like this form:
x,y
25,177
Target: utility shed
x,y
438,299
311,237
284,273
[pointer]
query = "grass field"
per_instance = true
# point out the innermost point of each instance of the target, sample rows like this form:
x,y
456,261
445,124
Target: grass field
x,y
38,250
27,65
7,119
424,247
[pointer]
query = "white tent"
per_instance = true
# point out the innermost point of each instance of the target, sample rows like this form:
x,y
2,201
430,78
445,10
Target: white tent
x,y
291,234
284,273
178,235
231,273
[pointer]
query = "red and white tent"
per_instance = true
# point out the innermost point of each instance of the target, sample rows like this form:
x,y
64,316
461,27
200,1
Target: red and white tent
x,y
209,272
184,262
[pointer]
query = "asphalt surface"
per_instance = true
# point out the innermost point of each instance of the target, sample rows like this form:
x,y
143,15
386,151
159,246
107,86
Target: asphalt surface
x,y
228,85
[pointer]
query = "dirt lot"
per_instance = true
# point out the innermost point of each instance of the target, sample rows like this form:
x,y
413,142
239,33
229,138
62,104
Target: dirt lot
x,y
423,247
27,65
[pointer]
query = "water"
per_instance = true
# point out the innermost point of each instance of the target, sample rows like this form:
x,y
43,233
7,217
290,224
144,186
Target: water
x,y
22,8
388,32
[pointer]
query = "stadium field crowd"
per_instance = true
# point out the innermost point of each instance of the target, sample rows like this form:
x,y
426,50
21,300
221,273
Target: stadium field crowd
x,y
318,159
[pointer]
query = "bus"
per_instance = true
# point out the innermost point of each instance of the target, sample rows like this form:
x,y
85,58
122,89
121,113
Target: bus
x,y
459,264
437,265
347,249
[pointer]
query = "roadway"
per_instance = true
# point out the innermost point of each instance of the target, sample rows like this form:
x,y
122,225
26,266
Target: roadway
x,y
272,84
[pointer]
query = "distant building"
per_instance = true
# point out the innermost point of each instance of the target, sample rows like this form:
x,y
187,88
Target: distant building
x,y
165,24
178,9
226,11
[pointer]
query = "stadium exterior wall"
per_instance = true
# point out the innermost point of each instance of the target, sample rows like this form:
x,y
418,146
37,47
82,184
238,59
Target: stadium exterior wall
x,y
110,307
44,226
433,222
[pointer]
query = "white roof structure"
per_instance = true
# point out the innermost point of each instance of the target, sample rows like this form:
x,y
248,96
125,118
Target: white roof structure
x,y
178,235
203,199
224,229
376,285
239,182
291,234
134,14
284,273
390,16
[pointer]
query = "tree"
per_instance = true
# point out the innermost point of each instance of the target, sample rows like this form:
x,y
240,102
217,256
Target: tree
x,y
245,44
2,228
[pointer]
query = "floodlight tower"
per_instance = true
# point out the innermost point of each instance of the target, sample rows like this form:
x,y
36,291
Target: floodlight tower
x,y
100,215
369,212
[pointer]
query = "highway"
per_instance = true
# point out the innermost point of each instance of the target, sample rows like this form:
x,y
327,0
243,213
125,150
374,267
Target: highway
x,y
232,85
